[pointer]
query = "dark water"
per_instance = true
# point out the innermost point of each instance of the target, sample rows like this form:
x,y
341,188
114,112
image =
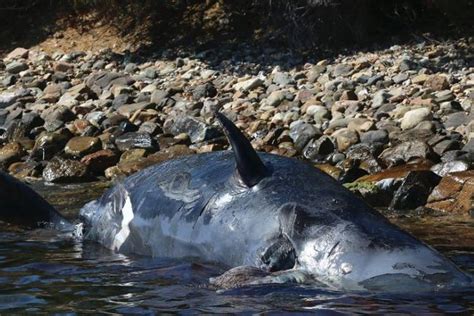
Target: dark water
x,y
41,272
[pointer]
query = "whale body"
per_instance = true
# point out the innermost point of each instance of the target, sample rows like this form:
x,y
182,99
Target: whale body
x,y
277,214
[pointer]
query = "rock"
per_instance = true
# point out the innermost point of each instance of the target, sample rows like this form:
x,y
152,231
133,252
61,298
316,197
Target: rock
x,y
302,133
48,144
414,190
331,170
281,78
318,149
380,98
275,98
10,153
18,53
444,168
100,160
82,145
405,152
375,137
345,138
158,96
198,131
59,170
128,110
360,124
342,70
22,170
414,117
63,66
58,113
249,84
370,192
206,90
131,140
457,119
437,83
400,77
454,194
16,67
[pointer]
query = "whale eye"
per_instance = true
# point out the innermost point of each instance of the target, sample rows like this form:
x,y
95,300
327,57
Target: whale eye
x,y
280,255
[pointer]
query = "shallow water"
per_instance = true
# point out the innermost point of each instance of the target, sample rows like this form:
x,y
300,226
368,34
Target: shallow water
x,y
43,273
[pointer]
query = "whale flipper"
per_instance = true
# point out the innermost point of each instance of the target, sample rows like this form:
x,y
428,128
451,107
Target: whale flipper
x,y
249,166
21,205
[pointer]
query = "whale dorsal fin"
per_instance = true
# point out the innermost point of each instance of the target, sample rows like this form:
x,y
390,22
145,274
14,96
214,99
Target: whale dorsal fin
x,y
250,169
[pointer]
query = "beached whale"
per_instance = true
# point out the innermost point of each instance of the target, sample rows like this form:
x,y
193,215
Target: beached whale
x,y
243,208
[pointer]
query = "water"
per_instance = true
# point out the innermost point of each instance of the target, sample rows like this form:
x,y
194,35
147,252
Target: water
x,y
43,273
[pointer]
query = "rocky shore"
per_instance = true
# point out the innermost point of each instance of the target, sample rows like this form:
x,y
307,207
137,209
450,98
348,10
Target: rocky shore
x,y
395,126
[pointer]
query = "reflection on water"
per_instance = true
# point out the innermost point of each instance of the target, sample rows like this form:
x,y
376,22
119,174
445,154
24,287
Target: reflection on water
x,y
42,273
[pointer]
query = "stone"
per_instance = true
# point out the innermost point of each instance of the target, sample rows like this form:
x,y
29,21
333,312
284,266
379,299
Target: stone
x,y
380,98
400,77
158,96
302,133
342,70
437,83
10,153
60,170
318,149
206,90
454,194
16,67
133,154
444,168
47,145
360,125
404,152
63,66
128,110
281,78
18,53
414,190
374,137
457,119
131,140
249,84
414,117
82,145
197,130
100,160
345,138
58,113
275,98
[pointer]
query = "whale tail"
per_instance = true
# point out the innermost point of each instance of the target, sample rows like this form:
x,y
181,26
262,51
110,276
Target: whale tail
x,y
20,205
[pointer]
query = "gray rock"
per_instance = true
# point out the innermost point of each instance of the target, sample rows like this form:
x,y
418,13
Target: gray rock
x,y
374,137
16,67
457,119
401,77
414,117
444,168
206,90
379,98
318,149
404,152
197,130
132,140
342,70
301,133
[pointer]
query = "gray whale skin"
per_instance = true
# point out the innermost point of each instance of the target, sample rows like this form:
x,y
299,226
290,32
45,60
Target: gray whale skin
x,y
277,214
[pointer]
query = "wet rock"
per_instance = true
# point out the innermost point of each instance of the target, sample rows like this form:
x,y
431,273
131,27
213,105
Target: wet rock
x,y
404,152
302,133
331,170
82,145
197,130
455,193
444,168
59,170
49,144
414,190
364,156
370,193
414,117
132,140
10,153
100,160
22,170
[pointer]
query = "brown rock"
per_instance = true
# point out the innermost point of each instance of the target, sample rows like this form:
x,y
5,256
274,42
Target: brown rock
x,y
62,67
330,170
18,52
455,193
82,145
10,153
398,172
100,160
437,83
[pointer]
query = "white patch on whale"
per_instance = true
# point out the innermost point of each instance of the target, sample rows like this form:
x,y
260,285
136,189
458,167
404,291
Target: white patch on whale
x,y
127,217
